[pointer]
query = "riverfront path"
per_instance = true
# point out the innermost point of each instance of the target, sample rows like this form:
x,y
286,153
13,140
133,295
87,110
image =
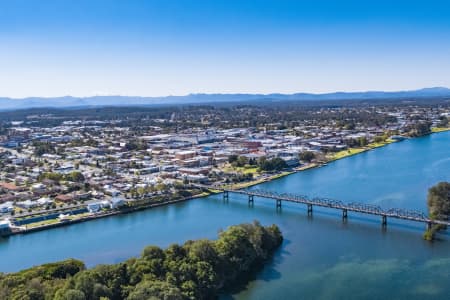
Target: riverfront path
x,y
397,213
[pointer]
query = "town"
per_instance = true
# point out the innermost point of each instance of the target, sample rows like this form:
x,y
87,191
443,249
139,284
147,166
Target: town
x,y
65,166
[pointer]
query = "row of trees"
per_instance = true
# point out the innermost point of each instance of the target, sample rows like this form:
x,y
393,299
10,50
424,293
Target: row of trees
x,y
264,164
74,176
196,270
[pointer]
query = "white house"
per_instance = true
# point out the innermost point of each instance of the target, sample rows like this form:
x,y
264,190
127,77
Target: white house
x,y
97,206
27,204
38,187
5,224
44,201
117,202
94,207
6,207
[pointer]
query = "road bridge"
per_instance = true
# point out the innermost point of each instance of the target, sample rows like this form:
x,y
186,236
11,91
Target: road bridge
x,y
362,208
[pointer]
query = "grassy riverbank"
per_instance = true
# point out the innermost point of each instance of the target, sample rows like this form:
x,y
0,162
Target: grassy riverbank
x,y
330,158
354,151
242,185
439,129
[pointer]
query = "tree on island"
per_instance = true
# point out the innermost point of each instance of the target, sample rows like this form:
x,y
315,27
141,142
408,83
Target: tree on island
x,y
438,202
196,270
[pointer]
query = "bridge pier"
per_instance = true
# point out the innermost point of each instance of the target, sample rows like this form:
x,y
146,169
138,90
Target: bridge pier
x,y
278,203
344,215
384,221
310,208
250,200
225,196
429,225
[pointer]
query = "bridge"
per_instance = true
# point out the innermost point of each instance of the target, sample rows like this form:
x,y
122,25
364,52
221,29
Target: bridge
x,y
362,208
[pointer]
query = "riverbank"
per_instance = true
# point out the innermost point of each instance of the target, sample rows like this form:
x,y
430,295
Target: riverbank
x,y
336,156
53,223
354,151
318,252
330,158
439,129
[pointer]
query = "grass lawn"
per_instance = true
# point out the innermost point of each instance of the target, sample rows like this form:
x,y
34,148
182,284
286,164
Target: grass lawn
x,y
244,170
79,216
345,153
381,144
306,167
280,175
439,129
249,170
42,223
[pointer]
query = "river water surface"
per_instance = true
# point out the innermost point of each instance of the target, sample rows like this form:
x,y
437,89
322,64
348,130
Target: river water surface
x,y
321,257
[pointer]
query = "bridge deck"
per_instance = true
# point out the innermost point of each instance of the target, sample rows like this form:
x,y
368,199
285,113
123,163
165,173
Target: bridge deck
x,y
397,213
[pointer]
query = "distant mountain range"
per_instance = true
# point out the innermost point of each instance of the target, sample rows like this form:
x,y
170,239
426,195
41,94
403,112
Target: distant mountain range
x,y
68,101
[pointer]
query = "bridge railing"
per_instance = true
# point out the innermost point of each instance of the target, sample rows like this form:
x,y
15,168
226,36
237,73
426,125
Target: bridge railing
x,y
333,203
406,213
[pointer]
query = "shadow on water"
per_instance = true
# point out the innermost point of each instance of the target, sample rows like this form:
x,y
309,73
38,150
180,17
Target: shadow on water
x,y
265,271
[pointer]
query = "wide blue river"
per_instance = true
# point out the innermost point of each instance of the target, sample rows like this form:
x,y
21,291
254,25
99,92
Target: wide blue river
x,y
321,257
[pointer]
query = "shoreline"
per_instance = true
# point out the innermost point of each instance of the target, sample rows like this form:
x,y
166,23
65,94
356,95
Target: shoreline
x,y
335,157
99,216
343,154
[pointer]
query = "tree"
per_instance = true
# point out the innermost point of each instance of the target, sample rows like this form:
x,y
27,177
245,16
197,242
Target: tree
x,y
241,161
84,281
379,138
75,176
70,294
50,175
307,156
153,252
195,270
420,128
232,158
443,121
275,164
155,290
362,141
438,201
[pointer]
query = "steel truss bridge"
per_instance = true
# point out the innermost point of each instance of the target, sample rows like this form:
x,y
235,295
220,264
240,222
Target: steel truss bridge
x,y
363,208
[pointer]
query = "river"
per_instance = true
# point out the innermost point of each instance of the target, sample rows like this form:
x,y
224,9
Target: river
x,y
321,257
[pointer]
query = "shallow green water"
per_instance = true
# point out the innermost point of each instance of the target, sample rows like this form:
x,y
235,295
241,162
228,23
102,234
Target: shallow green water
x,y
321,258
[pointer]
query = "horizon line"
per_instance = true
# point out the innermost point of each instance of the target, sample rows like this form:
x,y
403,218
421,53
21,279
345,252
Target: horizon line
x,y
233,93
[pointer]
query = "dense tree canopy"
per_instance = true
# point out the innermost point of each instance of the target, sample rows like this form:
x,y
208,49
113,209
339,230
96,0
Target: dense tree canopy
x,y
307,156
439,201
196,270
274,164
420,128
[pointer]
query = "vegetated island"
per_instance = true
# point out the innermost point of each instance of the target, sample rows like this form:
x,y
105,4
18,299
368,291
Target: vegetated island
x,y
438,202
198,269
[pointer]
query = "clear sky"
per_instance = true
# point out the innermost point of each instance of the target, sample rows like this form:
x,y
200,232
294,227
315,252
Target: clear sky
x,y
162,47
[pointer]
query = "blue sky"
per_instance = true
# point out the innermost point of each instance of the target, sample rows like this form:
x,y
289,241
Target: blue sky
x,y
161,47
